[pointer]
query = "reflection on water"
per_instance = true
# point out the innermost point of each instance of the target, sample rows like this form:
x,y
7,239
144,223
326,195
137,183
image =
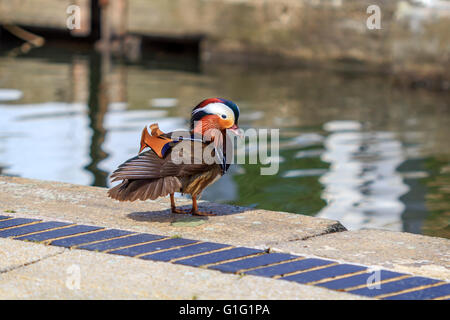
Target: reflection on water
x,y
362,186
351,149
47,141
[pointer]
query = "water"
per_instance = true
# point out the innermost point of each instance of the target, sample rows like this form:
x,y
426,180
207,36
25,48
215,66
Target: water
x,y
353,148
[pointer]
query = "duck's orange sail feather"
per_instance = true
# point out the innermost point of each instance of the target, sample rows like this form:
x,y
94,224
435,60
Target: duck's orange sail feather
x,y
155,141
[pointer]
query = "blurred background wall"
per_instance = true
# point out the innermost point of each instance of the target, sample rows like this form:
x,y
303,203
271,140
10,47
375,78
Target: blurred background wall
x,y
413,42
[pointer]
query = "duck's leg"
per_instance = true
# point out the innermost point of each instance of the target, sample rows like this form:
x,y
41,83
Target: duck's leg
x,y
195,211
173,208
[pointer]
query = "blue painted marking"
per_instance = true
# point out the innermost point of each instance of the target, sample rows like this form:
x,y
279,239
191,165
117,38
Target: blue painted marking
x,y
85,238
289,267
183,252
155,246
316,275
429,293
15,222
46,235
394,286
358,280
21,230
232,253
253,262
122,242
4,217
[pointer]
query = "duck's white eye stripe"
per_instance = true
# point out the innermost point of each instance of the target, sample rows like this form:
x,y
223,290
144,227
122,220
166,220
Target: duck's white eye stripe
x,y
216,108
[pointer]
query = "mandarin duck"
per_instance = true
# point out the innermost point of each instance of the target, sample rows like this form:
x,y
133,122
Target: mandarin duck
x,y
158,171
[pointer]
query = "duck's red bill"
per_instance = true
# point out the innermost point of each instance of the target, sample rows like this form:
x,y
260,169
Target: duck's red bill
x,y
236,130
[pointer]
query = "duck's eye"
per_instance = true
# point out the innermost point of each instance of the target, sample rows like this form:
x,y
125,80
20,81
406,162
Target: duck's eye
x,y
224,116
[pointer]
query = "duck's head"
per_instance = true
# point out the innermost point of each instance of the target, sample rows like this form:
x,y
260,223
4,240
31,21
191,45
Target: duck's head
x,y
215,113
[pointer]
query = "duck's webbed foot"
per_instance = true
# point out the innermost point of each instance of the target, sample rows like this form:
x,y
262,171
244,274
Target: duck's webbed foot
x,y
195,211
201,213
174,209
180,211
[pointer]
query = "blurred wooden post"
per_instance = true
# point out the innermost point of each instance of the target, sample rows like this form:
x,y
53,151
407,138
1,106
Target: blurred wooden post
x,y
105,25
118,13
113,27
97,108
79,75
95,19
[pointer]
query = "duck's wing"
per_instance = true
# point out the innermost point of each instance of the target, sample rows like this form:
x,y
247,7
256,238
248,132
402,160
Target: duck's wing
x,y
182,160
147,176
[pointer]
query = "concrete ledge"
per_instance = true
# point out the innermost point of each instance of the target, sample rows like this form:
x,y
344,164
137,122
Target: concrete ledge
x,y
90,205
17,254
35,271
105,276
399,251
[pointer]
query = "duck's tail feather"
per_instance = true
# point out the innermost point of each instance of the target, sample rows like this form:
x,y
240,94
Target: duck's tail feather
x,y
132,190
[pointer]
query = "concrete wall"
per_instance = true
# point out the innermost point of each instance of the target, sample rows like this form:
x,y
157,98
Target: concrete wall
x,y
44,13
29,12
413,40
